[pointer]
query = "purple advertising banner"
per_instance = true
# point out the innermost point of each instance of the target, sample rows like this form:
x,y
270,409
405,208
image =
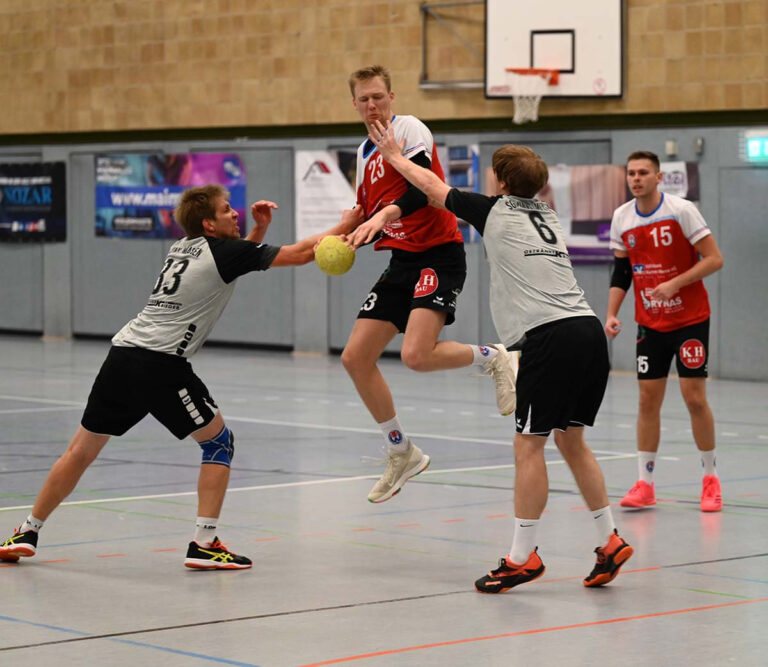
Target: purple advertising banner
x,y
136,193
33,202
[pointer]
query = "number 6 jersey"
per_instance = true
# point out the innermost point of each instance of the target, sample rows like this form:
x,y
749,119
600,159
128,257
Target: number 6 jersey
x,y
660,247
194,286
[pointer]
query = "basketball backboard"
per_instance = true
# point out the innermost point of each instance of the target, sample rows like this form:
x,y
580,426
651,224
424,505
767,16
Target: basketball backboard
x,y
582,39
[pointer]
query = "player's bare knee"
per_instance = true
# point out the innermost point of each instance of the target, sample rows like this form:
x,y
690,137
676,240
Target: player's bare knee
x,y
415,359
219,450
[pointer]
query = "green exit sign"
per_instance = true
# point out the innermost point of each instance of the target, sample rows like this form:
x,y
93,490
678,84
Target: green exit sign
x,y
756,145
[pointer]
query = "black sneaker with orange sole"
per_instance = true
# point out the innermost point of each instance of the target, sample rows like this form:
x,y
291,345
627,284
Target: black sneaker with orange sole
x,y
610,558
509,574
214,556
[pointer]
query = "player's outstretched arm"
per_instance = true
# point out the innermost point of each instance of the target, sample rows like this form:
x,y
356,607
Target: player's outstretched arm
x,y
424,179
261,211
303,251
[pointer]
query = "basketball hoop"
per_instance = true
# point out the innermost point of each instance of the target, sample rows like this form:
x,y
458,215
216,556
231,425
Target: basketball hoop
x,y
528,87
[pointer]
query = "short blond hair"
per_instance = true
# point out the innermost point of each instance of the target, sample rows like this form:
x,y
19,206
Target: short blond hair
x,y
521,169
368,73
196,205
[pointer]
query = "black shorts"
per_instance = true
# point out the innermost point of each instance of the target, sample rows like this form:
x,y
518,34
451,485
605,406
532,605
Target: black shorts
x,y
134,382
431,279
563,374
689,346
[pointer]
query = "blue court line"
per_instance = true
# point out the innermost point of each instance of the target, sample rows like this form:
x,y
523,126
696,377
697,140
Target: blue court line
x,y
70,631
725,576
200,656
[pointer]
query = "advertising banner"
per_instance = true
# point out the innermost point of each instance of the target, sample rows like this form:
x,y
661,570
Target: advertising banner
x,y
33,204
323,191
136,193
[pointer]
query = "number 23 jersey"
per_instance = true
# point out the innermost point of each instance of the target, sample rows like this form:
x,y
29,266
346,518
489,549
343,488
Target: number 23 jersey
x,y
195,284
660,247
379,184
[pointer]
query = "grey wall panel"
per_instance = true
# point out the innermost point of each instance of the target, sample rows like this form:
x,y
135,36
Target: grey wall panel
x,y
744,299
21,286
21,270
111,277
261,310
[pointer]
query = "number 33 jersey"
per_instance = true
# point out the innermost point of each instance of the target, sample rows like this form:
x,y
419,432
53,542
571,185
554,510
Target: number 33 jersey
x,y
660,247
195,283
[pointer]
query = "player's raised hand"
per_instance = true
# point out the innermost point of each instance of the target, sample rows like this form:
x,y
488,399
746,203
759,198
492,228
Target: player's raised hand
x,y
384,137
261,211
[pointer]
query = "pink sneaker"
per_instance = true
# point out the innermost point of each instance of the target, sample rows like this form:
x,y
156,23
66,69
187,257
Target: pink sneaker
x,y
711,496
640,495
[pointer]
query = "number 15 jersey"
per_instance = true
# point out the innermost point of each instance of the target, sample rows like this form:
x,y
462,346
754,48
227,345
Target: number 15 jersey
x,y
194,285
660,247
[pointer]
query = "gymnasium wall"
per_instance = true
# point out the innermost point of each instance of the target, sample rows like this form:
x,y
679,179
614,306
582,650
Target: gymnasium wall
x,y
104,65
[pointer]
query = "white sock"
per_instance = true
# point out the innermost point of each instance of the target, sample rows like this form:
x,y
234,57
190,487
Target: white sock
x,y
708,462
31,523
646,462
524,540
205,529
604,523
394,436
482,354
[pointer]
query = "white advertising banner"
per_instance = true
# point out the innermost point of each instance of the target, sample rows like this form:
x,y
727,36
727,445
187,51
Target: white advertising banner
x,y
322,192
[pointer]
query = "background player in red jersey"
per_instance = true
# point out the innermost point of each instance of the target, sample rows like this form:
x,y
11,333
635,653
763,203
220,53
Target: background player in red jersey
x,y
662,243
416,295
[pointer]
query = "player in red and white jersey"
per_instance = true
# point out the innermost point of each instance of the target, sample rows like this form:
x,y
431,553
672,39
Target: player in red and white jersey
x,y
662,243
416,295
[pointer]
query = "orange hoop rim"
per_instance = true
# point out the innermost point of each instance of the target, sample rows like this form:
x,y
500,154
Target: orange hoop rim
x,y
552,75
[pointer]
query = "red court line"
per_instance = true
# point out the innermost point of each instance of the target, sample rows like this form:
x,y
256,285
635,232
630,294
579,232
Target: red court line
x,y
496,516
407,525
110,555
268,539
452,520
57,560
535,631
157,551
362,530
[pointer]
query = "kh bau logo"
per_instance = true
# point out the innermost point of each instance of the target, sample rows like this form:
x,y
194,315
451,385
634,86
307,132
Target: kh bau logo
x,y
395,437
692,353
427,283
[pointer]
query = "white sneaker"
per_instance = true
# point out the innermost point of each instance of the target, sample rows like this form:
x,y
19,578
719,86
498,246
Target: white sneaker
x,y
400,468
503,368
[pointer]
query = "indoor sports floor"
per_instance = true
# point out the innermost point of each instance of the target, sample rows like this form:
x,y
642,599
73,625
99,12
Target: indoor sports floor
x,y
337,580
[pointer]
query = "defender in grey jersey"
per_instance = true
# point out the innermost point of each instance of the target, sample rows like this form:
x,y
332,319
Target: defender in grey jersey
x,y
147,369
538,306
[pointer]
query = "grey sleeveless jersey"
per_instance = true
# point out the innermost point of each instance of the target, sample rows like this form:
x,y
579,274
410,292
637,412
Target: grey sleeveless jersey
x,y
194,285
532,279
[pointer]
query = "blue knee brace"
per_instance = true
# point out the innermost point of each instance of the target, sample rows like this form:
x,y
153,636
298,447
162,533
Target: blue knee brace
x,y
220,449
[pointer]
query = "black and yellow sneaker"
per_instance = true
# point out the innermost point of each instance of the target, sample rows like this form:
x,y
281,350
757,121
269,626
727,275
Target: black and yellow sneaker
x,y
18,545
215,556
510,574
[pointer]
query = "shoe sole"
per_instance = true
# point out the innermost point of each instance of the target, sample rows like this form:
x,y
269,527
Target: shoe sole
x,y
423,465
631,504
496,591
508,360
16,553
207,565
712,509
621,557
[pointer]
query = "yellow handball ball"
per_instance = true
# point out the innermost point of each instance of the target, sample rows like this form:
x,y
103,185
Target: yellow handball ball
x,y
333,256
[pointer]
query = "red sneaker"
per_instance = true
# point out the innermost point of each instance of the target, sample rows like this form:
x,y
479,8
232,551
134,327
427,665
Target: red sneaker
x,y
711,496
610,558
510,574
640,495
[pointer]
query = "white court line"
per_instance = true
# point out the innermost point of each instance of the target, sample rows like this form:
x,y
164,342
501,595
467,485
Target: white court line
x,y
59,409
284,485
328,427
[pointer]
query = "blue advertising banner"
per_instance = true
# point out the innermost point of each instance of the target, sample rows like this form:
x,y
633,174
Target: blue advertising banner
x,y
33,203
136,193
